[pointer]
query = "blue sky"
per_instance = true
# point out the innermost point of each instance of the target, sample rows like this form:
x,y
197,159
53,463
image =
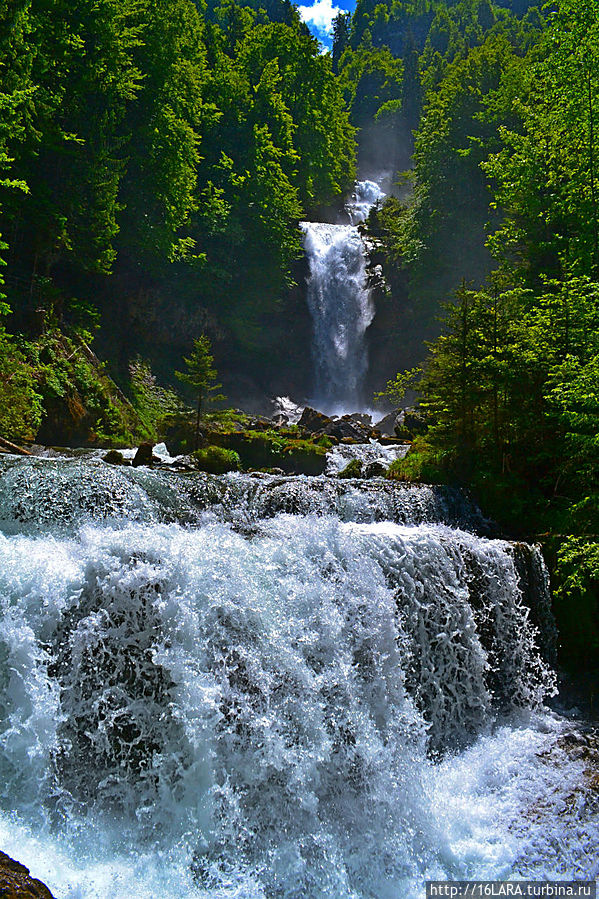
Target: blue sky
x,y
319,17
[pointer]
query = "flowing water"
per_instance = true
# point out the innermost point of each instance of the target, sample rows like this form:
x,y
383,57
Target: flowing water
x,y
366,453
273,687
340,304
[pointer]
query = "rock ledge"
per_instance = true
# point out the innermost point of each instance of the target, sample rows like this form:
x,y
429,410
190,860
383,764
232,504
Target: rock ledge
x,y
17,883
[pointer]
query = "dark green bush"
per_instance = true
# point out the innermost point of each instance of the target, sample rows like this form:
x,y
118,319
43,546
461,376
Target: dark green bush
x,y
216,460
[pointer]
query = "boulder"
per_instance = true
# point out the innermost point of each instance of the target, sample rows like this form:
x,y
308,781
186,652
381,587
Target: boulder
x,y
184,463
304,458
258,423
362,418
114,457
314,421
388,424
17,883
346,427
375,470
280,420
409,422
394,441
266,450
144,455
353,469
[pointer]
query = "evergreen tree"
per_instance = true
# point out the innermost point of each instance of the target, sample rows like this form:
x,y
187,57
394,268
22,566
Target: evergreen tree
x,y
201,375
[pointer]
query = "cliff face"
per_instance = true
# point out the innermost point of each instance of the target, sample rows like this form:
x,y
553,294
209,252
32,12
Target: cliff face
x,y
17,883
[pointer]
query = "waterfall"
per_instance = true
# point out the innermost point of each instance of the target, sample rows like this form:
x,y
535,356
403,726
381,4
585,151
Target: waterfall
x,y
340,304
268,687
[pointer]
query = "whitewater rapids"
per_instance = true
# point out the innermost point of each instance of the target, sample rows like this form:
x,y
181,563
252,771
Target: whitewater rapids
x,y
228,687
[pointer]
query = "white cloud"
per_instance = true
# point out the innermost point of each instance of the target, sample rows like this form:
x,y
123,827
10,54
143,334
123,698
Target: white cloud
x,y
320,16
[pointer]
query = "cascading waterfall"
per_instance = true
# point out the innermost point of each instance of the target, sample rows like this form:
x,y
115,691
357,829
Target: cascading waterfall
x,y
340,304
248,686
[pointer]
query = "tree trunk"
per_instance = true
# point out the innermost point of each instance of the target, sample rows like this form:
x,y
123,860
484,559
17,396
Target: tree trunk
x,y
13,448
196,439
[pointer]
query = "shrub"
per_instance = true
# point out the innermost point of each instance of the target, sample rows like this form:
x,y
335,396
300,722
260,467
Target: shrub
x,y
422,464
20,404
216,460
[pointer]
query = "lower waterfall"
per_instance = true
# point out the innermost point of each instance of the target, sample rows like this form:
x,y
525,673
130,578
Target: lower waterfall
x,y
254,687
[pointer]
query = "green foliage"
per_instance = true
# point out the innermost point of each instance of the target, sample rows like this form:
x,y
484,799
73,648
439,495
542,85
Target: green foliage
x,y
201,374
20,401
325,442
158,407
545,172
422,464
216,460
370,78
577,595
512,378
74,60
165,125
353,469
397,388
81,403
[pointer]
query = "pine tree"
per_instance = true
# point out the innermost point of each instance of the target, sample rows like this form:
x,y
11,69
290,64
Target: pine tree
x,y
201,374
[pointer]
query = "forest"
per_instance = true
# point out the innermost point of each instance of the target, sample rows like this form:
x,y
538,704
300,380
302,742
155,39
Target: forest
x,y
156,157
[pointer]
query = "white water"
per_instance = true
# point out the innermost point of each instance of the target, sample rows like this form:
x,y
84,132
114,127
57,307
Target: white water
x,y
366,195
366,453
340,305
243,707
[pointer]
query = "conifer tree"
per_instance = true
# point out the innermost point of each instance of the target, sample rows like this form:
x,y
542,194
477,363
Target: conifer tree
x,y
201,374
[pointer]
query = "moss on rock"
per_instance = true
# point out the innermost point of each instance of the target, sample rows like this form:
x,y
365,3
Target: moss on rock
x,y
353,469
216,460
264,450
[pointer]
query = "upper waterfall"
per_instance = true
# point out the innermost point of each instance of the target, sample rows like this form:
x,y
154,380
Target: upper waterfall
x,y
340,304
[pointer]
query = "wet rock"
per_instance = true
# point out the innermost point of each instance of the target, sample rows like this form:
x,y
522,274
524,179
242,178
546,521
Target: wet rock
x,y
17,883
314,421
410,422
393,441
362,418
184,463
258,423
353,469
266,450
388,424
144,455
345,427
114,457
304,459
375,470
